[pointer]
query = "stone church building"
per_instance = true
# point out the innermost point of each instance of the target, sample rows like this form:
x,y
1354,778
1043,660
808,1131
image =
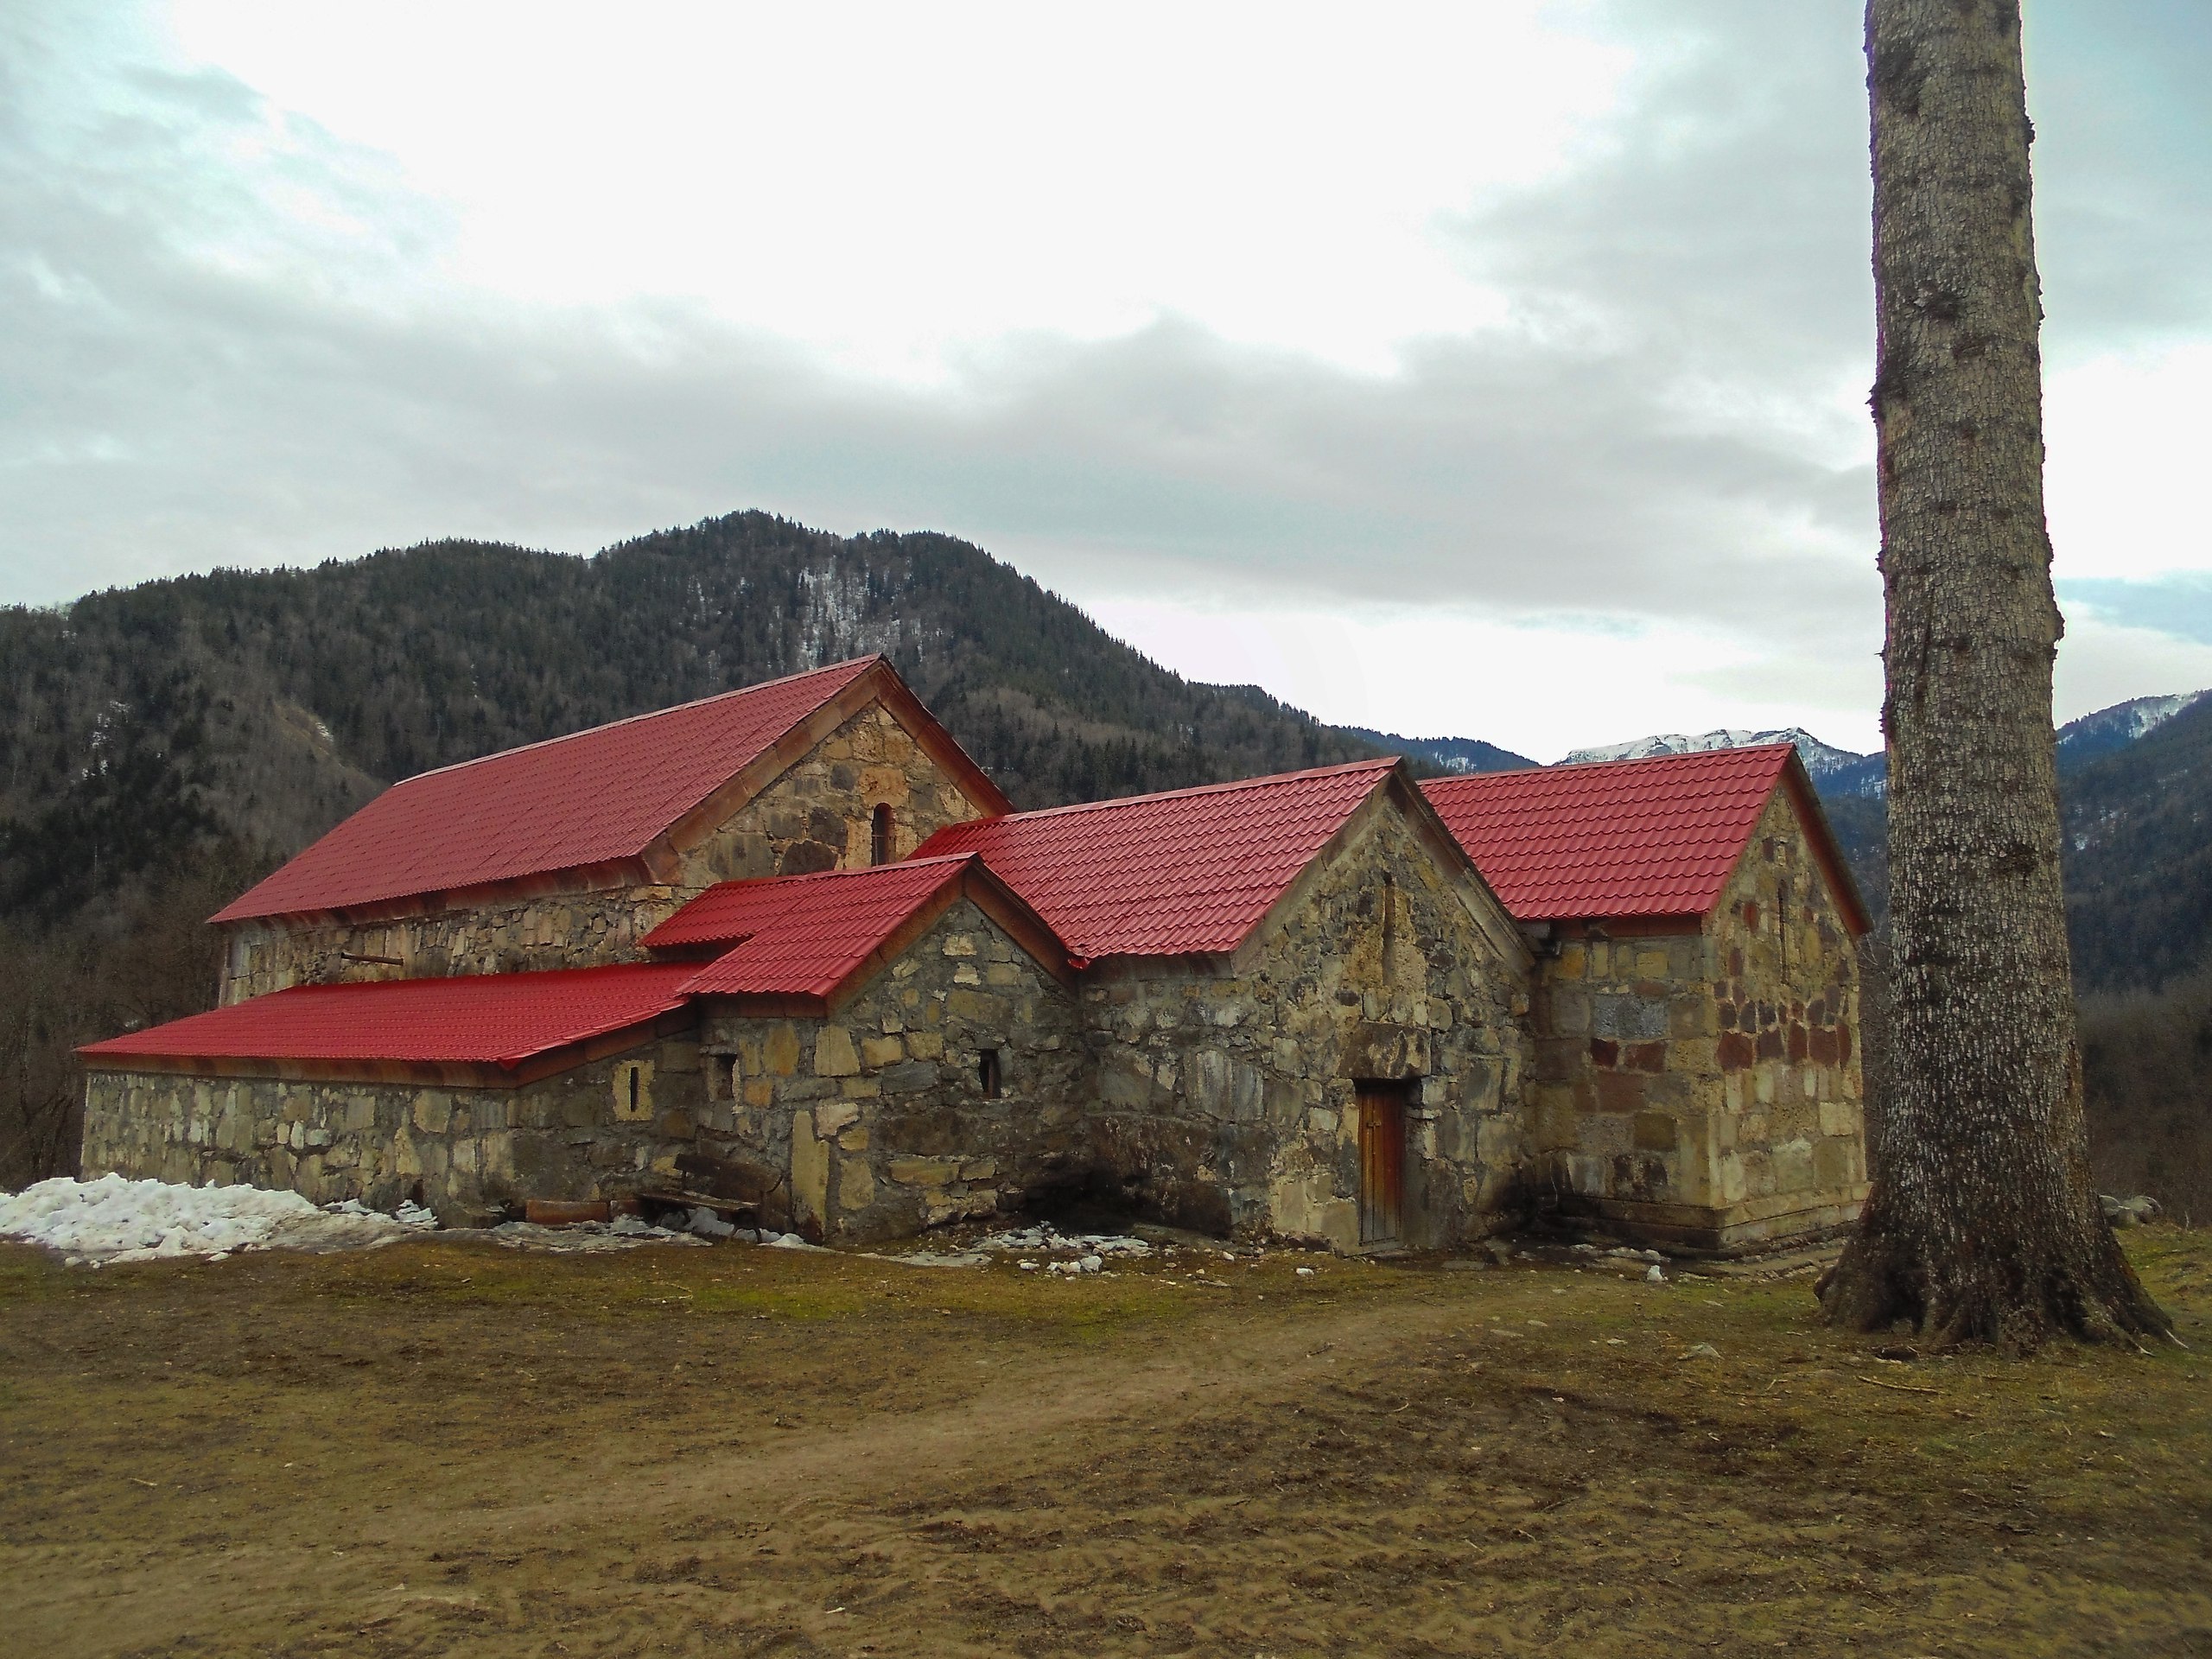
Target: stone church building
x,y
789,948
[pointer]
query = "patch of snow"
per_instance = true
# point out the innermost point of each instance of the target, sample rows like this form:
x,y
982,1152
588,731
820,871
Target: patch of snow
x,y
2146,715
112,1218
789,1242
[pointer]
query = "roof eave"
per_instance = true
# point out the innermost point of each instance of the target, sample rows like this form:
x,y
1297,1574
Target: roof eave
x,y
1827,853
467,1074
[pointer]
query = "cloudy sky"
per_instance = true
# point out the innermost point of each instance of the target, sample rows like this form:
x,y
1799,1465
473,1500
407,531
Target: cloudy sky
x,y
1493,369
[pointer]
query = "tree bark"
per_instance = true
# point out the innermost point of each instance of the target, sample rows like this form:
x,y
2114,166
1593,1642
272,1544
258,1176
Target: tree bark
x,y
1981,1225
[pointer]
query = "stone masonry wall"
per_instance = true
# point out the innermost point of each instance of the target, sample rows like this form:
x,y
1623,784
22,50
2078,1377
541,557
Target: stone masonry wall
x,y
819,815
469,1150
879,1115
1786,1000
1228,1103
571,930
1626,1077
1697,1085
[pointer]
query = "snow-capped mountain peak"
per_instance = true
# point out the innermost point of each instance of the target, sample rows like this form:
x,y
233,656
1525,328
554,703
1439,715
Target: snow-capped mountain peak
x,y
1820,757
2084,740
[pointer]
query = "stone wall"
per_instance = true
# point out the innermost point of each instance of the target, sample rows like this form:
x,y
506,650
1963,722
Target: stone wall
x,y
817,815
1228,1101
1703,1088
1786,1002
562,930
881,1114
466,1151
820,814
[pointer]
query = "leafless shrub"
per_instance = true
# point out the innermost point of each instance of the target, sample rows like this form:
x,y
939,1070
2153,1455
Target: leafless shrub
x,y
2146,1061
145,958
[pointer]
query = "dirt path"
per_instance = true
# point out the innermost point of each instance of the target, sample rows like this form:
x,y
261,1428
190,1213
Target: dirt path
x,y
446,1449
786,1484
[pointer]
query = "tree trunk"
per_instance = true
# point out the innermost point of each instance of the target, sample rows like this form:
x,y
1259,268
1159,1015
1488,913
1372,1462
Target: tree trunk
x,y
1981,1225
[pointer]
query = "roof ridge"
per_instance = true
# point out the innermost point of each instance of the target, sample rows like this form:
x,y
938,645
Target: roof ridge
x,y
1273,778
862,662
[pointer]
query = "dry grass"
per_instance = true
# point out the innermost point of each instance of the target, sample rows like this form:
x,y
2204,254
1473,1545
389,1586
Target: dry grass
x,y
446,1448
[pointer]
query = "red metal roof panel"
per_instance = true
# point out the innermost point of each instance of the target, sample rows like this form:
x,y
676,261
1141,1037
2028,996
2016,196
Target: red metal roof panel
x,y
1655,837
500,1019
801,935
591,797
1193,871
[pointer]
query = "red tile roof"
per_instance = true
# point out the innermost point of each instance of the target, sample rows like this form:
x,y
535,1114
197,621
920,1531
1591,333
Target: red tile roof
x,y
1655,837
1190,871
497,1019
802,935
595,796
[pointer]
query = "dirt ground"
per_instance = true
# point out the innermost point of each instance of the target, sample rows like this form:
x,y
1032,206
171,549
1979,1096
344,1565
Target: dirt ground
x,y
450,1448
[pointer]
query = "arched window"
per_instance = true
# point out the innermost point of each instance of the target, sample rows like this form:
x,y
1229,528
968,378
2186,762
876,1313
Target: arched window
x,y
880,829
987,1073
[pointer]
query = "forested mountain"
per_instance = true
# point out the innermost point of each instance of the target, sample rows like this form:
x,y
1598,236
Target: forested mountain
x,y
2135,796
1449,754
259,708
2138,857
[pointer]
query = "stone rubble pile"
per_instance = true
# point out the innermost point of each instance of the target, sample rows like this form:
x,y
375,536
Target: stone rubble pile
x,y
1045,1238
623,1233
2129,1212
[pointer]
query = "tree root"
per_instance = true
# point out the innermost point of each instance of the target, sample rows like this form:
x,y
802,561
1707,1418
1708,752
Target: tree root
x,y
1971,1294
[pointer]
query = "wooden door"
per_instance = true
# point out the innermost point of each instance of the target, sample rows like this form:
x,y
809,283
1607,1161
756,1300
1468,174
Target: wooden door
x,y
1382,1162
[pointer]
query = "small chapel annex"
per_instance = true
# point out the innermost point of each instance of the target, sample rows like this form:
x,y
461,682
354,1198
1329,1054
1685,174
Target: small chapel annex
x,y
790,946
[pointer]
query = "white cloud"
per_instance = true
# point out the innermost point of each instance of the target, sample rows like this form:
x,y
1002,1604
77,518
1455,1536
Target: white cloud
x,y
883,182
2101,663
2128,434
1539,687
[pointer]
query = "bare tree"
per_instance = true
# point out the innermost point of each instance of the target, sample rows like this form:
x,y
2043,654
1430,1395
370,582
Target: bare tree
x,y
1982,1224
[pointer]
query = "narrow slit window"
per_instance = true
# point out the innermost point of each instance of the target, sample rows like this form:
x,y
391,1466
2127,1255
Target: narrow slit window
x,y
987,1073
880,833
1782,921
634,1085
